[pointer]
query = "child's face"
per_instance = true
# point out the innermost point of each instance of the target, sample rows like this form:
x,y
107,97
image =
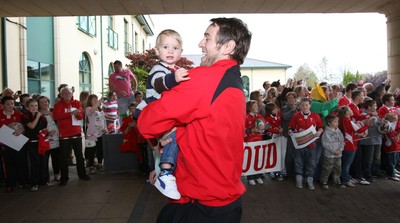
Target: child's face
x,y
254,108
390,102
33,107
349,113
291,100
113,97
132,109
372,108
305,106
169,50
274,111
334,123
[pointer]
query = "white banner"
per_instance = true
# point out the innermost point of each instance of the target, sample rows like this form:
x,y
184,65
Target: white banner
x,y
264,156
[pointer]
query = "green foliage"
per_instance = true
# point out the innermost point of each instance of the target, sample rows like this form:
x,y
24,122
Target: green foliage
x,y
141,64
305,73
349,77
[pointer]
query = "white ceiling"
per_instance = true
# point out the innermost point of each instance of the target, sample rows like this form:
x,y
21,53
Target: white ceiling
x,y
10,8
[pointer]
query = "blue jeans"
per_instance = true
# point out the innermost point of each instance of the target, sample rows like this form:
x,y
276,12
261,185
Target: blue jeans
x,y
347,160
392,159
305,161
170,151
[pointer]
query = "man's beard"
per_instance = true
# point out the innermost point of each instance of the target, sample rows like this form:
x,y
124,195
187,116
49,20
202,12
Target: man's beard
x,y
208,60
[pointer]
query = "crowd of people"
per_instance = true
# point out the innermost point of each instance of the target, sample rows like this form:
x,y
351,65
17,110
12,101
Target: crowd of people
x,y
356,125
73,128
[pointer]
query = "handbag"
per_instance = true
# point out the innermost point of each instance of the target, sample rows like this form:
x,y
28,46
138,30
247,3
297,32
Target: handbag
x,y
89,143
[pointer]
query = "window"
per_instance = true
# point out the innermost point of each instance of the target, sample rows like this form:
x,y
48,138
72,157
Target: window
x,y
136,42
127,45
246,86
112,35
85,74
41,79
110,69
87,24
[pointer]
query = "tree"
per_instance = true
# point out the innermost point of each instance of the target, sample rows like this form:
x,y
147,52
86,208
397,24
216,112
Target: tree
x,y
377,78
141,64
350,77
323,66
305,73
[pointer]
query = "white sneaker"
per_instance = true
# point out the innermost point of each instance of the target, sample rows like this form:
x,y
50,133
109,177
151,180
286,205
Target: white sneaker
x,y
363,182
260,181
310,182
50,184
166,184
252,182
34,188
299,181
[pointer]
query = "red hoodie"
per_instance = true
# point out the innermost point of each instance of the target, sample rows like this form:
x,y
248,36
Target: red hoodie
x,y
209,111
62,114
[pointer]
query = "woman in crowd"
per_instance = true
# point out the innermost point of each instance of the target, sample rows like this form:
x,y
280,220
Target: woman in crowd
x,y
52,135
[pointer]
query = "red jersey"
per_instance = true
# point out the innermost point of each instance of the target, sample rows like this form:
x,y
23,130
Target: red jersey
x,y
344,101
383,110
250,124
210,114
357,113
301,122
14,117
389,144
349,130
62,114
275,122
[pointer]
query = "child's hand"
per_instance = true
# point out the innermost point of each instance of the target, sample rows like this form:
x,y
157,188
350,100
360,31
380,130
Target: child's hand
x,y
337,152
181,75
290,132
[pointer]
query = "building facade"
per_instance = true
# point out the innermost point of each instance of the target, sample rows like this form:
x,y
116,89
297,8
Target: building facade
x,y
40,53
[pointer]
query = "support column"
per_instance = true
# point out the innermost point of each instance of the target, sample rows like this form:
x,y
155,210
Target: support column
x,y
392,12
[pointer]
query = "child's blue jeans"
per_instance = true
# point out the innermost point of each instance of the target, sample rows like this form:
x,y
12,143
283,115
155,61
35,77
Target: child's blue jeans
x,y
170,151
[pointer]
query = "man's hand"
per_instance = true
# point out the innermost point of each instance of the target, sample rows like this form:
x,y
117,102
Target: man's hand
x,y
181,75
76,111
152,177
164,140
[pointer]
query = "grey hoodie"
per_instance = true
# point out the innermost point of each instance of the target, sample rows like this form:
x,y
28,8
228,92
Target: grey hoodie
x,y
331,141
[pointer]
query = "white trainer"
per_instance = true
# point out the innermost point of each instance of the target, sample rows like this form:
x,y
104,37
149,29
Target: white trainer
x,y
252,182
166,184
260,181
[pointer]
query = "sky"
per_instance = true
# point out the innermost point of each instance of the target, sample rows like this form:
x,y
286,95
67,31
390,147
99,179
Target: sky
x,y
354,42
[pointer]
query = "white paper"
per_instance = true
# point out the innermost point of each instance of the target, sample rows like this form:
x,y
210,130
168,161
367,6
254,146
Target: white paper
x,y
9,139
304,138
75,121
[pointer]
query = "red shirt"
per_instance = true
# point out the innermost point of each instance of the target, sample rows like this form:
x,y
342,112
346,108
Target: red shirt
x,y
343,101
357,113
301,122
6,120
250,124
275,122
383,110
210,113
349,130
62,114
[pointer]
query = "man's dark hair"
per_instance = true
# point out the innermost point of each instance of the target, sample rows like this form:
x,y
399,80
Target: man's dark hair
x,y
233,29
355,94
368,103
117,62
386,97
350,87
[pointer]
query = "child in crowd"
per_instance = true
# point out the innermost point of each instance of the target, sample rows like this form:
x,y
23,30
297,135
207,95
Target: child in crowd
x,y
164,76
305,158
287,113
96,127
349,130
273,118
254,128
333,143
133,140
346,98
371,145
391,146
35,123
110,108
